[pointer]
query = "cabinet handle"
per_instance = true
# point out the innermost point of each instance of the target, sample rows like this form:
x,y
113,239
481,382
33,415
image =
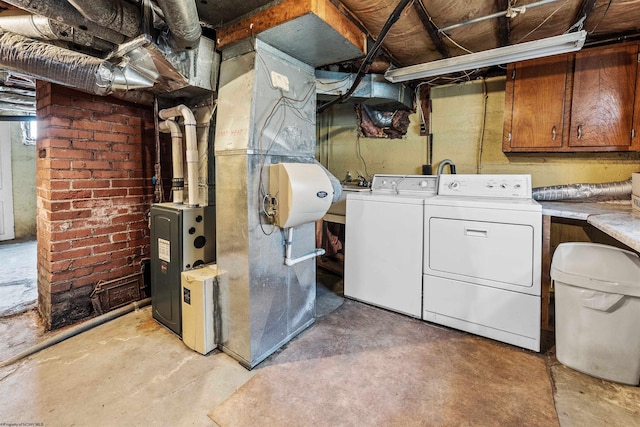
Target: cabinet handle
x,y
553,133
579,131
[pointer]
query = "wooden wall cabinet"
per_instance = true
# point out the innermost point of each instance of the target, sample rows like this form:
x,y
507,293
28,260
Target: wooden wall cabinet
x,y
588,101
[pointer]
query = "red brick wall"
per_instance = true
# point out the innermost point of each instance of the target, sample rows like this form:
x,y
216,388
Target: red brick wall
x,y
94,169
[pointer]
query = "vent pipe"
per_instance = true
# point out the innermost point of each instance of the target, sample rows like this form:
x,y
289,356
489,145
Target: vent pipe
x,y
66,67
192,147
177,183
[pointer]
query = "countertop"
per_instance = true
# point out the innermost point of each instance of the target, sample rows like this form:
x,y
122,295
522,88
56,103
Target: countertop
x,y
619,220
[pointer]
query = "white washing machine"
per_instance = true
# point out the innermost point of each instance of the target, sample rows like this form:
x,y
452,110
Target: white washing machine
x,y
482,257
384,242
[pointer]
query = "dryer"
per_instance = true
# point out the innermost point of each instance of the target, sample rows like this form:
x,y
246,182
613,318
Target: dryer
x,y
482,257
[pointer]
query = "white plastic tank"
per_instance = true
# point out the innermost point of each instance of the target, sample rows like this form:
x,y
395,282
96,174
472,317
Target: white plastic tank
x,y
303,191
597,297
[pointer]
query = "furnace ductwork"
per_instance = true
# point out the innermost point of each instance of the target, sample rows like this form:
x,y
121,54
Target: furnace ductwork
x,y
66,67
116,15
42,28
181,17
585,192
63,11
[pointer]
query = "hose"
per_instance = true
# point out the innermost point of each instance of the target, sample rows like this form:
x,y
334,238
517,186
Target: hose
x,y
585,192
75,330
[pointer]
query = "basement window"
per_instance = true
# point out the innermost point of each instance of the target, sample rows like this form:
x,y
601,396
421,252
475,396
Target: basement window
x,y
29,132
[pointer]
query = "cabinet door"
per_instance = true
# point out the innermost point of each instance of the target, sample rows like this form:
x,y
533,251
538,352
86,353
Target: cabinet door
x,y
603,98
537,89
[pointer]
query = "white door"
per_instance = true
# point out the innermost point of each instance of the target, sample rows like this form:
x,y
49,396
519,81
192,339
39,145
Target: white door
x,y
6,193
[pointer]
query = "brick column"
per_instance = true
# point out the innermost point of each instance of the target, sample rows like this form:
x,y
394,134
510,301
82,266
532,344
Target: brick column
x,y
94,169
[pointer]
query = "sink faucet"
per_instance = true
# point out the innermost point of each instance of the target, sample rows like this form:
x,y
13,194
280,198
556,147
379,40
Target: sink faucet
x,y
452,167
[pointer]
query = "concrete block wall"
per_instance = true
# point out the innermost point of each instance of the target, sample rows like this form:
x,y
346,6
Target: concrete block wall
x,y
94,168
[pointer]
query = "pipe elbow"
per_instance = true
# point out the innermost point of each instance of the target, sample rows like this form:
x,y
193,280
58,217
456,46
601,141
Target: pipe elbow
x,y
177,111
170,125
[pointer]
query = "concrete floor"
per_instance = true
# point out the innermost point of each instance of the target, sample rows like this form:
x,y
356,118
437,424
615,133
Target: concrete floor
x,y
357,365
18,276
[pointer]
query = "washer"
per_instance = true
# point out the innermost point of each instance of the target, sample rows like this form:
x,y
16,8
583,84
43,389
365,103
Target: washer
x,y
384,242
482,257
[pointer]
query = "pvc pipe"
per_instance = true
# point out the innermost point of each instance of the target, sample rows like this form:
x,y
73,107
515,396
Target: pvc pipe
x,y
177,183
75,330
192,147
289,243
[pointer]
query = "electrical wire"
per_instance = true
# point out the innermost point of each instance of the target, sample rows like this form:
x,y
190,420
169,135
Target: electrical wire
x,y
368,59
485,96
602,18
284,103
544,21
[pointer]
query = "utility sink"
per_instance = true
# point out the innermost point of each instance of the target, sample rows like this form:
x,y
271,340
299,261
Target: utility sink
x,y
337,211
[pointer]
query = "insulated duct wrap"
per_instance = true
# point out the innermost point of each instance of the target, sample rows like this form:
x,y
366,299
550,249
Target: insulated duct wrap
x,y
65,67
182,19
585,192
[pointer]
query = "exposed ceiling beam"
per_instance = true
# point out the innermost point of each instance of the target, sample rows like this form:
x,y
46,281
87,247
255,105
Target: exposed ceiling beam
x,y
432,30
504,29
583,13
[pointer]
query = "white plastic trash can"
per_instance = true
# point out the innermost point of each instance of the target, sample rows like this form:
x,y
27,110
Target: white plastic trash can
x,y
597,297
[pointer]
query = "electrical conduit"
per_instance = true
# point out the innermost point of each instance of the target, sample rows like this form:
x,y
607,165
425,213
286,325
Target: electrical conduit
x,y
75,330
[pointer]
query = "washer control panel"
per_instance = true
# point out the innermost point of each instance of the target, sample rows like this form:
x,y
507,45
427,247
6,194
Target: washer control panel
x,y
502,186
404,184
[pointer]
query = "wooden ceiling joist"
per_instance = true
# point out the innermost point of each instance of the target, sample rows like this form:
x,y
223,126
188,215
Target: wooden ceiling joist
x,y
431,29
503,23
583,13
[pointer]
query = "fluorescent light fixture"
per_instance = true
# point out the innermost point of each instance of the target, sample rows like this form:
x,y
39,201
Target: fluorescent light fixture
x,y
518,52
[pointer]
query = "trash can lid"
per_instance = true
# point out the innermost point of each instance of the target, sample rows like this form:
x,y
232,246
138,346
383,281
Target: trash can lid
x,y
598,267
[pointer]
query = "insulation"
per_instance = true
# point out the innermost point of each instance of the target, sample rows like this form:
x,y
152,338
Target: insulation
x,y
613,17
585,192
181,17
407,40
545,21
375,123
58,65
116,15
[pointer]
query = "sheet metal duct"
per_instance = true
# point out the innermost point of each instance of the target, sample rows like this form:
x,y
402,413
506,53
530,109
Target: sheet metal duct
x,y
373,90
42,28
181,17
63,11
66,67
116,15
262,302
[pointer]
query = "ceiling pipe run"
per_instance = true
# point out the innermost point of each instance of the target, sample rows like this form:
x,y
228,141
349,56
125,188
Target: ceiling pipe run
x,y
43,28
66,67
181,17
63,11
192,147
116,15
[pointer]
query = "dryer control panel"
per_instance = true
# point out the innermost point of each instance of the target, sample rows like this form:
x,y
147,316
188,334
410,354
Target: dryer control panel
x,y
501,186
